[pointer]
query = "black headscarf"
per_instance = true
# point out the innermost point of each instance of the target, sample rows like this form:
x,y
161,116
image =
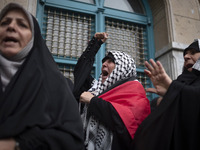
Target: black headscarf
x,y
193,46
37,107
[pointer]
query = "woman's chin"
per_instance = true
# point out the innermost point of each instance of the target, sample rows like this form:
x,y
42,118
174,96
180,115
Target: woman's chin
x,y
190,69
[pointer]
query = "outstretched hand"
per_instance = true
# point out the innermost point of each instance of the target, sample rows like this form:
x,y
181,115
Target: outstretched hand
x,y
158,76
103,36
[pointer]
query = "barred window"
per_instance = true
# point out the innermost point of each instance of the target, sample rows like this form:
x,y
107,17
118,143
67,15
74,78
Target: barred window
x,y
67,33
131,39
127,37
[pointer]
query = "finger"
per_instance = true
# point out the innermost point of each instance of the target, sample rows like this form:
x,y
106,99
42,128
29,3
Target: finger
x,y
148,73
160,66
151,90
105,35
154,64
148,66
96,34
99,35
80,99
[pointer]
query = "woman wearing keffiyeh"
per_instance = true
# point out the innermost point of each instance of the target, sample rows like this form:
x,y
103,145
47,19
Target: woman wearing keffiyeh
x,y
112,106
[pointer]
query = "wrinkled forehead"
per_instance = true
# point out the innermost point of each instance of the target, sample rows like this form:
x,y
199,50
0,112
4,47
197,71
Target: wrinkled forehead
x,y
16,7
19,12
193,47
191,51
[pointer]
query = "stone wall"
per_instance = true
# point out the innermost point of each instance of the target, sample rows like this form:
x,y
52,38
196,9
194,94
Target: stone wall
x,y
176,25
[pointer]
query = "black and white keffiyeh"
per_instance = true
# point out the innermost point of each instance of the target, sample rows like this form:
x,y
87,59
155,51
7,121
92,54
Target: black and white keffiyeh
x,y
98,137
124,68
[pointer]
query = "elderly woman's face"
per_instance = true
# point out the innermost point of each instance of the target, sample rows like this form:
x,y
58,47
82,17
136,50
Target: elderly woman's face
x,y
190,58
15,33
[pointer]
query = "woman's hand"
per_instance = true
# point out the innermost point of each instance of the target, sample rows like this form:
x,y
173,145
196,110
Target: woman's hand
x,y
86,97
158,76
7,144
103,36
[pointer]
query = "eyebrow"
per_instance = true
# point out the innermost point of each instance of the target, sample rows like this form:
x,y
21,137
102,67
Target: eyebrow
x,y
22,19
18,19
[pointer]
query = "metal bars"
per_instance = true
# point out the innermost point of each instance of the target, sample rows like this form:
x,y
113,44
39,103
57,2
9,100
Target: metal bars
x,y
144,80
131,39
67,33
127,37
68,71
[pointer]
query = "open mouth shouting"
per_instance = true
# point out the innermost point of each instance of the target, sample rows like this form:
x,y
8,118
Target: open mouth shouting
x,y
189,66
107,67
104,75
10,40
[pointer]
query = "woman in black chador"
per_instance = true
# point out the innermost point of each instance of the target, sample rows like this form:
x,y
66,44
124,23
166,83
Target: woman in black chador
x,y
175,123
37,108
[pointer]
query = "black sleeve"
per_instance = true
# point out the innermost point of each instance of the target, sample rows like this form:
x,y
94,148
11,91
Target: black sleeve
x,y
153,104
28,140
107,114
83,68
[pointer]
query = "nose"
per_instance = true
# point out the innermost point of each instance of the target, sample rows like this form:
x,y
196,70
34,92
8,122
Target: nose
x,y
105,64
11,26
187,56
